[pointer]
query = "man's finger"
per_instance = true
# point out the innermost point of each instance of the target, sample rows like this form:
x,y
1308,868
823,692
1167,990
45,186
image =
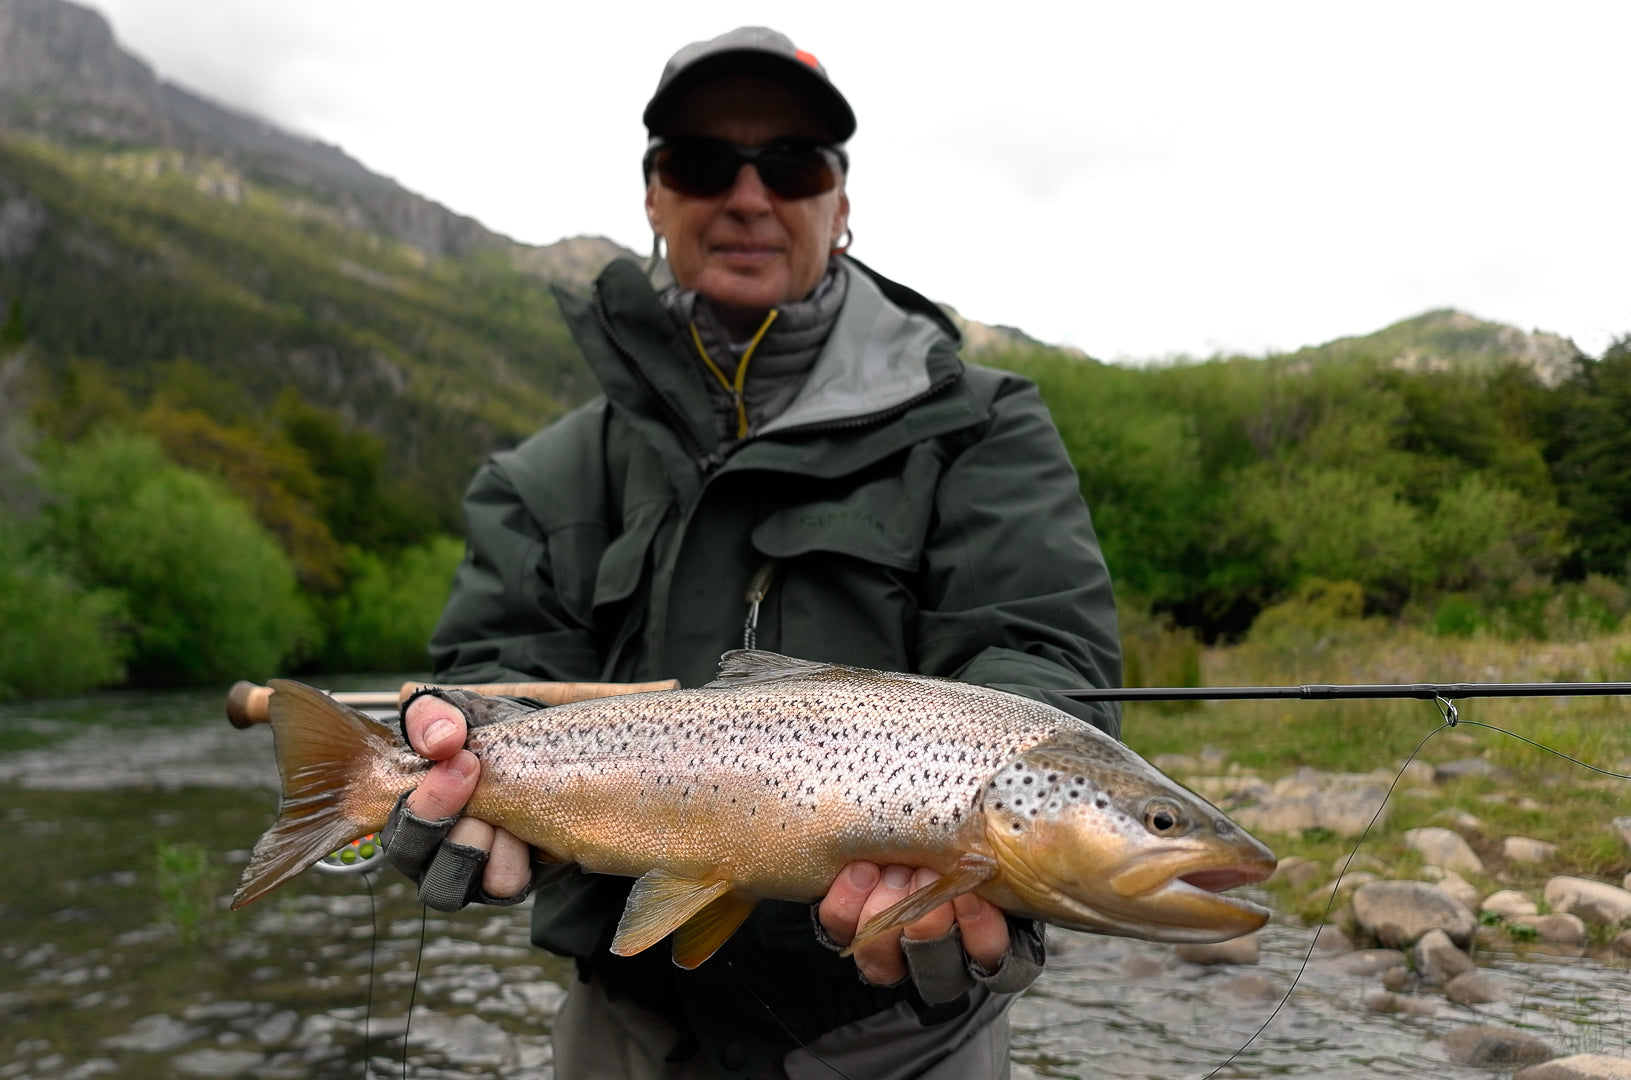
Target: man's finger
x,y
840,910
446,787
880,960
983,928
435,728
936,923
510,869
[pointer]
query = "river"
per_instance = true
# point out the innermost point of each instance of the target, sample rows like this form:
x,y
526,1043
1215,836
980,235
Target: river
x,y
127,817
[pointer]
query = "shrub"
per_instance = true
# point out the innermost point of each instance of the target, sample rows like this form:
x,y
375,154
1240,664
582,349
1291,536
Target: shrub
x,y
56,637
383,622
208,594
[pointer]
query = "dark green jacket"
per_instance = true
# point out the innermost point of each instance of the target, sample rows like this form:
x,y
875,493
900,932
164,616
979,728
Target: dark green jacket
x,y
921,515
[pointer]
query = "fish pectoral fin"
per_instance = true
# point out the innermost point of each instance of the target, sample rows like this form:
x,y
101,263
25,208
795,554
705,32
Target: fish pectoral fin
x,y
660,903
708,929
970,873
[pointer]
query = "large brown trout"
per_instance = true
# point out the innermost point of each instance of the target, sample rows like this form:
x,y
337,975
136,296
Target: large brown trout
x,y
765,782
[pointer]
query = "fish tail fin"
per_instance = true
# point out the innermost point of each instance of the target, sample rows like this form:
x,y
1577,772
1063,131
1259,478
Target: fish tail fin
x,y
339,783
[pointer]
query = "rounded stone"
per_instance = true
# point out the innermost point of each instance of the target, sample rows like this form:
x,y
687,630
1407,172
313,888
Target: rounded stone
x,y
1444,847
1597,902
1579,1067
1437,959
1508,904
1398,913
1475,988
1553,929
1523,849
1241,950
1482,1044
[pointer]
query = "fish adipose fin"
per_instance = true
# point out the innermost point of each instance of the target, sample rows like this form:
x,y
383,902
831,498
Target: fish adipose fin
x,y
743,667
970,873
660,903
331,795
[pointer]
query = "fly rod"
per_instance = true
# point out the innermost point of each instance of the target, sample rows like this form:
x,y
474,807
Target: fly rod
x,y
1329,692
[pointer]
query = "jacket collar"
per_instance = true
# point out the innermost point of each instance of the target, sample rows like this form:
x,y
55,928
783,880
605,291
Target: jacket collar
x,y
889,350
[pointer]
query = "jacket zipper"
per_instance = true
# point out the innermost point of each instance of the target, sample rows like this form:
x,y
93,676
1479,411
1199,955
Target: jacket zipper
x,y
710,460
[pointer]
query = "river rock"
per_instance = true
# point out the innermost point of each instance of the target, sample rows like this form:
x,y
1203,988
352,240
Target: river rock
x,y
1370,961
1401,1003
1141,966
1523,849
1460,819
1622,943
1344,803
216,1062
1444,847
1331,939
1297,872
1509,903
1477,988
1398,913
1437,959
1597,902
1482,1044
156,1034
1554,929
1241,950
1252,987
1346,883
1455,770
1622,826
1578,1067
1399,979
1454,884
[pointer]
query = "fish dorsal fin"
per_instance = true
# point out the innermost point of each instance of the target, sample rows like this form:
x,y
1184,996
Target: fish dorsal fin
x,y
739,667
708,929
970,873
660,903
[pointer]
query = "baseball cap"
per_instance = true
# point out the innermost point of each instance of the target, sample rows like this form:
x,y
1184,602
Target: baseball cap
x,y
749,50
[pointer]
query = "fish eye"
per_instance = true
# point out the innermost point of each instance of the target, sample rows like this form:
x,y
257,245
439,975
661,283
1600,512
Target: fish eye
x,y
1165,818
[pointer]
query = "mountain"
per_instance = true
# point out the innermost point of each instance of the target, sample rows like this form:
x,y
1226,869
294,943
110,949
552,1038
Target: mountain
x,y
1454,340
64,78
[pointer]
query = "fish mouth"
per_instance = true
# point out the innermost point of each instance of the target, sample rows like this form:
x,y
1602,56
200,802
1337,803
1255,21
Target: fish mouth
x,y
1161,901
1219,878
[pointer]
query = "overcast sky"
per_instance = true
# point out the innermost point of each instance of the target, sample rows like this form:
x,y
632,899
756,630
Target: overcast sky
x,y
1135,179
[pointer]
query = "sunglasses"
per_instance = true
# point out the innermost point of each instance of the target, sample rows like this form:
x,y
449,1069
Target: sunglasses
x,y
701,167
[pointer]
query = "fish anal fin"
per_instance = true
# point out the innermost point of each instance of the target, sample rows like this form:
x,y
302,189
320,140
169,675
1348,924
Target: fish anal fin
x,y
660,903
970,872
708,929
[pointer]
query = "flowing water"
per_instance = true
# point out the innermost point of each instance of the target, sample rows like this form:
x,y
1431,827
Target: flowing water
x,y
125,820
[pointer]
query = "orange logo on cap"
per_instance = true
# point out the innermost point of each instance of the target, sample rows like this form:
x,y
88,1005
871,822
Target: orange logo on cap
x,y
807,58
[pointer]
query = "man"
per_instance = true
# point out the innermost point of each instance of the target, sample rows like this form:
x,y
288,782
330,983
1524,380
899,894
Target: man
x,y
785,426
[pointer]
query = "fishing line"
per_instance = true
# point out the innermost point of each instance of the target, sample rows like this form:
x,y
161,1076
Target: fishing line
x,y
373,954
1451,718
782,1024
413,988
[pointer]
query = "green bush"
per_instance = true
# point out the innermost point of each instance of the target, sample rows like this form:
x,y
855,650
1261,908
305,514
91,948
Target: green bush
x,y
56,637
208,595
383,622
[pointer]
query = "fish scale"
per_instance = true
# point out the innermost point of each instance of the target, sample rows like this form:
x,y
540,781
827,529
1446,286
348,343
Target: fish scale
x,y
765,783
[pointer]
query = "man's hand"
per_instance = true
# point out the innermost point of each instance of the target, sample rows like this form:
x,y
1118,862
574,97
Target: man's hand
x,y
863,889
436,730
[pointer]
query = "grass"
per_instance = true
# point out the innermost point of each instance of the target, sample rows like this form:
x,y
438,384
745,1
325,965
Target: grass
x,y
1534,790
